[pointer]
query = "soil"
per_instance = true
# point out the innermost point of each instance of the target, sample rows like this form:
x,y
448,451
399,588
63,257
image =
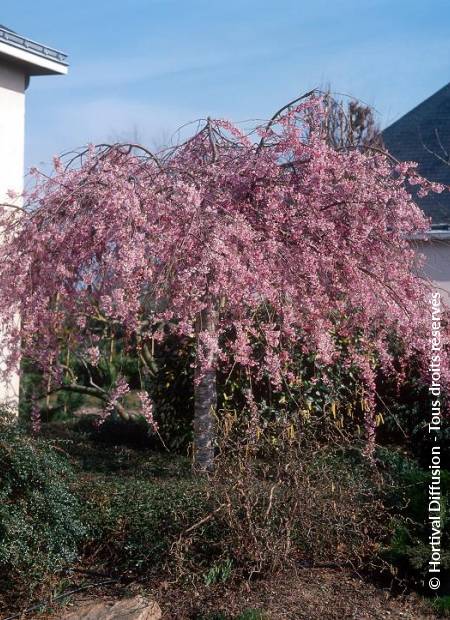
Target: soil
x,y
321,594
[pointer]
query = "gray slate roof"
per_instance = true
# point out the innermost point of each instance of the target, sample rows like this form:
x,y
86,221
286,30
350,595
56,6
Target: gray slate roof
x,y
423,135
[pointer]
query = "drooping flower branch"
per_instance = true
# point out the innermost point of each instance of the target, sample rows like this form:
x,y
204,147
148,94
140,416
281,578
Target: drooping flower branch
x,y
208,235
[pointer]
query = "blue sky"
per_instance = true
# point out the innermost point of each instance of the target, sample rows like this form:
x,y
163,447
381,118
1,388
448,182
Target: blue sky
x,y
144,67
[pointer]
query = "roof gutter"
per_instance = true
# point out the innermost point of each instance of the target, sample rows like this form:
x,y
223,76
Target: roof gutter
x,y
38,59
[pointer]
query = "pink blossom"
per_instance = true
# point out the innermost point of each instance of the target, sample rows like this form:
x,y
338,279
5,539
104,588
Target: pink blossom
x,y
93,354
120,389
292,243
35,418
147,409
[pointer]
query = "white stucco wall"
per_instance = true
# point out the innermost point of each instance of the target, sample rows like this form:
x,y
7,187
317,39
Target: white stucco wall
x,y
12,130
437,266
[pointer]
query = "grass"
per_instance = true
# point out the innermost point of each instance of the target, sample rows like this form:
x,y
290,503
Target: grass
x,y
441,606
135,502
252,614
248,614
107,458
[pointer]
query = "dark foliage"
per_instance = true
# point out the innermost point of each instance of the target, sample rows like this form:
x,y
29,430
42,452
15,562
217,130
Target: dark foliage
x,y
40,526
406,499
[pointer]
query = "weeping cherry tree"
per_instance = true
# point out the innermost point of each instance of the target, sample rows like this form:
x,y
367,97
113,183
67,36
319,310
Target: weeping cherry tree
x,y
248,244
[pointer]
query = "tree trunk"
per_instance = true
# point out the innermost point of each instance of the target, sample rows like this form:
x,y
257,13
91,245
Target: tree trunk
x,y
205,391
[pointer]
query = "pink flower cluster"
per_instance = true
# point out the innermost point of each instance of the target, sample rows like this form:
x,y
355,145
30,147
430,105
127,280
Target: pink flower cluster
x,y
291,242
35,418
120,389
93,355
147,409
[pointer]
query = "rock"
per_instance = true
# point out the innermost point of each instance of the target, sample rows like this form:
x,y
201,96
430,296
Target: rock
x,y
136,608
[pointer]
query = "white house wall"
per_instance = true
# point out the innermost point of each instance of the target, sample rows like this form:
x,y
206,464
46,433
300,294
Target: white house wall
x,y
12,129
437,266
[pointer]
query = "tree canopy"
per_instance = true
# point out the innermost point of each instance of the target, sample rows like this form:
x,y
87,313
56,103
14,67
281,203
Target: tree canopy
x,y
254,244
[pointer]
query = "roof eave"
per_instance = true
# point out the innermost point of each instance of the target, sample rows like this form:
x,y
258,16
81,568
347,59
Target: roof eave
x,y
430,235
35,58
32,63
